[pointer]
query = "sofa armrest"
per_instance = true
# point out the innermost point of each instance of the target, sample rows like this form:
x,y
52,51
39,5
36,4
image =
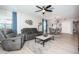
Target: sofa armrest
x,y
12,39
21,36
11,35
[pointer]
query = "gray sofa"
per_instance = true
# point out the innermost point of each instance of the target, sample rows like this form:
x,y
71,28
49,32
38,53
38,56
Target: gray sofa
x,y
30,33
11,41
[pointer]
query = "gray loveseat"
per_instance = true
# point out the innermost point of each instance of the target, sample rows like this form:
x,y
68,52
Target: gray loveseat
x,y
30,33
11,41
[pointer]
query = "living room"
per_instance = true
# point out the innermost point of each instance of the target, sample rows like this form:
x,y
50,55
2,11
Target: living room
x,y
27,16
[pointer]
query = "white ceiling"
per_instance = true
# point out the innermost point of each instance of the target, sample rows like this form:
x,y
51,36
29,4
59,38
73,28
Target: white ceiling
x,y
22,8
65,10
28,9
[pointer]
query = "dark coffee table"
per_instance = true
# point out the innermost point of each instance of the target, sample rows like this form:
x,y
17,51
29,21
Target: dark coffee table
x,y
44,39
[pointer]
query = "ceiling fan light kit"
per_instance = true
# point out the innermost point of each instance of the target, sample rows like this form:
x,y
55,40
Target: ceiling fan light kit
x,y
44,9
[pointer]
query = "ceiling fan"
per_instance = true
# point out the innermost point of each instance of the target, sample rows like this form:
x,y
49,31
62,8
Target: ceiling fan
x,y
44,9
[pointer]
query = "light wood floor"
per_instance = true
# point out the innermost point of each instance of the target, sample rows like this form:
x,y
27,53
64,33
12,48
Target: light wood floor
x,y
63,44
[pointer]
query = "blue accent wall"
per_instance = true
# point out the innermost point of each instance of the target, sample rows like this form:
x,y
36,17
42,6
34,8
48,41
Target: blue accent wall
x,y
14,21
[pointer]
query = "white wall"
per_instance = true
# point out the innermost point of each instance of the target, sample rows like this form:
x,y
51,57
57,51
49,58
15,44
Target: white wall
x,y
70,12
67,26
21,18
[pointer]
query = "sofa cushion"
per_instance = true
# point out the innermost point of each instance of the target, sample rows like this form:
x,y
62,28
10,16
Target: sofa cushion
x,y
8,33
11,35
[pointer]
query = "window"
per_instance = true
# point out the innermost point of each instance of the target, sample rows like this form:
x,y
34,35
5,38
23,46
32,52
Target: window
x,y
5,24
44,26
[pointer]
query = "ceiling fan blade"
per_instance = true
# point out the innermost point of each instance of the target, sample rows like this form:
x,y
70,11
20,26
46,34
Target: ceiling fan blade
x,y
49,10
48,6
39,7
38,11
